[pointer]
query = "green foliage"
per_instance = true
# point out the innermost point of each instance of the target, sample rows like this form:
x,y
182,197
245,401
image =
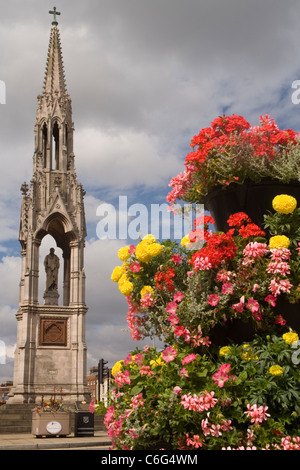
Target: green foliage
x,y
150,411
191,395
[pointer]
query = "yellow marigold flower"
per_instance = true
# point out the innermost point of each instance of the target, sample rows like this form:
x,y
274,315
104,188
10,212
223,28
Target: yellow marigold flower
x,y
225,350
290,337
123,278
123,253
117,367
185,241
142,253
125,286
154,249
276,370
284,204
147,290
157,362
149,238
279,241
117,273
247,354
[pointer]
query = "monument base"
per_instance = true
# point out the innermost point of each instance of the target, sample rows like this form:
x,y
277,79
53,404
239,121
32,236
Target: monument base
x,y
51,297
54,360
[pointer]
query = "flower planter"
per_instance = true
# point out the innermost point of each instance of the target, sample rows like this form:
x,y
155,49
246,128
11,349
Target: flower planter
x,y
255,199
232,331
290,312
51,423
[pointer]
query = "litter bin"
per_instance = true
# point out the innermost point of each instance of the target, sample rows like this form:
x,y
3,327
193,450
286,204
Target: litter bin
x,y
84,421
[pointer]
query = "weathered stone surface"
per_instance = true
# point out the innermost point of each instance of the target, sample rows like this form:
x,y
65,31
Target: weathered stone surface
x,y
51,349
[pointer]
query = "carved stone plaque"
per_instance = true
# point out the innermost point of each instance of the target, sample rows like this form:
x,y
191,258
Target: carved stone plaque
x,y
53,332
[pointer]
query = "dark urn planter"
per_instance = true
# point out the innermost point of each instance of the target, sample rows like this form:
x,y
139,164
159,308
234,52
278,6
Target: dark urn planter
x,y
290,312
255,199
232,331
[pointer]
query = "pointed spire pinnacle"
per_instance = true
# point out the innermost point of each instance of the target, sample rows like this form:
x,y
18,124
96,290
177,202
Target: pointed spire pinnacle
x,y
54,82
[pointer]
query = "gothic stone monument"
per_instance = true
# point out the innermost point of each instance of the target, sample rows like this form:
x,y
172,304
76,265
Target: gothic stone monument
x,y
51,349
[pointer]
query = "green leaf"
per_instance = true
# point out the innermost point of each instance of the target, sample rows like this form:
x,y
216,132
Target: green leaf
x,y
243,375
136,389
202,373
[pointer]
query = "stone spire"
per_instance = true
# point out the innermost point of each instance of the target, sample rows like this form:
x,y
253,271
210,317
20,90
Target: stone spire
x,y
54,99
55,82
51,349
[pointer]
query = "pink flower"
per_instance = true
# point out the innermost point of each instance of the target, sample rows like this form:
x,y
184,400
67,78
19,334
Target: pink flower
x,y
280,254
222,375
128,359
271,299
178,297
189,358
202,263
215,430
194,441
169,354
257,415
92,406
280,320
253,305
177,390
147,300
133,433
225,425
109,415
136,401
138,358
145,370
240,306
255,249
180,330
121,379
213,299
173,319
176,259
223,276
278,267
198,403
205,427
135,267
227,288
287,443
171,307
280,285
183,372
131,249
205,341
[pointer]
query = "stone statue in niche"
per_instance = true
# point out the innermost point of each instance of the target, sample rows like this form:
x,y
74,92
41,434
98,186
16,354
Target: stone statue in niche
x,y
51,264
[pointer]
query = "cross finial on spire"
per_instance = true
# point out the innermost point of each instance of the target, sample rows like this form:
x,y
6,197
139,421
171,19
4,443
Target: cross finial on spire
x,y
54,13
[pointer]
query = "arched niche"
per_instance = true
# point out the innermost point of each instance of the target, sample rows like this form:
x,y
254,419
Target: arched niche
x,y
47,243
58,226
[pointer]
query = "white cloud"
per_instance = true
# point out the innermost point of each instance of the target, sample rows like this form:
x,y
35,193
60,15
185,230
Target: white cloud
x,y
10,272
121,159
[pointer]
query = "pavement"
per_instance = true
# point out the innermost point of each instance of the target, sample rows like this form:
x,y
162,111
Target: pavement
x,y
99,441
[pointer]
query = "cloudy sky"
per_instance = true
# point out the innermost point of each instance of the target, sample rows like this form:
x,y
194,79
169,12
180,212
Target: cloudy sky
x,y
144,77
